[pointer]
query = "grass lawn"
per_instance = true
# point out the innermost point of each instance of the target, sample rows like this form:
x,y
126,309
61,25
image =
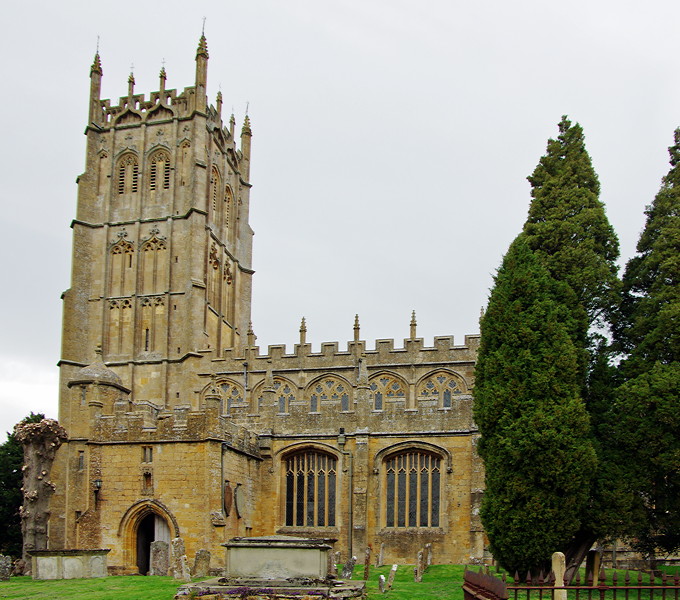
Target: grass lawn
x,y
440,581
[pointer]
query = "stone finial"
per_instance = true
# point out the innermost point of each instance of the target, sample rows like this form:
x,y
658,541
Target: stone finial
x,y
246,130
96,65
303,331
131,84
219,102
163,76
269,377
413,325
232,124
357,328
251,334
202,49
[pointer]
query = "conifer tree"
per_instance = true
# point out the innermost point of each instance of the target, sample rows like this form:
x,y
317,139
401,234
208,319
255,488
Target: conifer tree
x,y
570,237
536,445
647,419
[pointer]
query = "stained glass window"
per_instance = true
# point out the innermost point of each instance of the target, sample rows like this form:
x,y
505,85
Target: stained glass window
x,y
412,489
310,489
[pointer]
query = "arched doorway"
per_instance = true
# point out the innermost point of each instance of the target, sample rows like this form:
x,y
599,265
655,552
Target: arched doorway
x,y
151,528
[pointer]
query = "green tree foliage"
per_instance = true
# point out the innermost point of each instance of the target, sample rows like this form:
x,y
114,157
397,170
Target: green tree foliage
x,y
574,250
11,460
567,225
646,417
535,442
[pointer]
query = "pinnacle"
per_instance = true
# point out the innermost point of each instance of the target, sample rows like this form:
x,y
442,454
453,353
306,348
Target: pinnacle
x,y
246,126
96,65
202,47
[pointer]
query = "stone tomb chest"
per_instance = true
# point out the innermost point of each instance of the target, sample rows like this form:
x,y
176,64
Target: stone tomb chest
x,y
68,564
276,557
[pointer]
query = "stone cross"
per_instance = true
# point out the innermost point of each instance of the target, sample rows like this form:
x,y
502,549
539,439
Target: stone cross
x,y
559,565
381,584
367,563
348,569
390,579
160,558
202,563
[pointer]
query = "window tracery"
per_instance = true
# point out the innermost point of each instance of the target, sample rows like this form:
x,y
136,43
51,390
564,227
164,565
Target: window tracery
x,y
412,484
231,393
284,392
128,174
440,386
121,279
385,386
310,482
330,388
159,171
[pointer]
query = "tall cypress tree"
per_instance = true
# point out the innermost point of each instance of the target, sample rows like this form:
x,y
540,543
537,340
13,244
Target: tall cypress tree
x,y
569,234
537,451
647,423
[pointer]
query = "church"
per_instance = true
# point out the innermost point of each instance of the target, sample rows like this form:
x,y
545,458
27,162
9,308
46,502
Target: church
x,y
179,425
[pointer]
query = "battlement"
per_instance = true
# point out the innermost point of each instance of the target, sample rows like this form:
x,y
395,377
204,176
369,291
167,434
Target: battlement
x,y
144,422
383,350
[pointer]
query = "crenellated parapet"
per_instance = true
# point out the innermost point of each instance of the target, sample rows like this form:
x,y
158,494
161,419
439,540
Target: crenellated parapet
x,y
310,391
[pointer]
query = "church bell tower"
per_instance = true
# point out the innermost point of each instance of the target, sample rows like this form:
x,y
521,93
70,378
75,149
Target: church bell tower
x,y
161,275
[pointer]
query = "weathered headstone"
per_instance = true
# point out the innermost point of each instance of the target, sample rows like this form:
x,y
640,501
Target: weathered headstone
x,y
428,560
559,565
380,557
381,584
177,552
5,567
160,558
418,569
332,565
202,563
593,561
367,563
348,569
185,574
390,579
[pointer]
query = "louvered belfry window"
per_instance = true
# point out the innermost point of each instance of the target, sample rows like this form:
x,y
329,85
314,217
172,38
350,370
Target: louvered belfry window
x,y
310,489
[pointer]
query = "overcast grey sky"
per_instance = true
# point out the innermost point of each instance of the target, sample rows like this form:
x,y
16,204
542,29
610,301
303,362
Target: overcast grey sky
x,y
391,146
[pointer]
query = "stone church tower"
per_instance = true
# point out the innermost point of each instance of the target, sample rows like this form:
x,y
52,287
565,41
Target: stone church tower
x,y
179,426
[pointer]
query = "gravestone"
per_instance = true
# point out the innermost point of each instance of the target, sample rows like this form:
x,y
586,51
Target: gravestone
x,y
5,567
185,573
390,579
202,563
380,557
177,554
428,559
348,569
160,558
381,584
367,563
418,569
559,566
332,565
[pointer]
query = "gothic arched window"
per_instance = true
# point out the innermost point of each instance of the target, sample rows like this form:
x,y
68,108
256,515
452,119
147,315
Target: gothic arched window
x,y
284,393
440,386
128,174
216,196
386,386
412,484
159,171
310,481
329,388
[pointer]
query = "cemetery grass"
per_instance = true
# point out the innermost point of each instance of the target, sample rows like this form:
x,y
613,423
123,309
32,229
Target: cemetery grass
x,y
120,587
439,582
